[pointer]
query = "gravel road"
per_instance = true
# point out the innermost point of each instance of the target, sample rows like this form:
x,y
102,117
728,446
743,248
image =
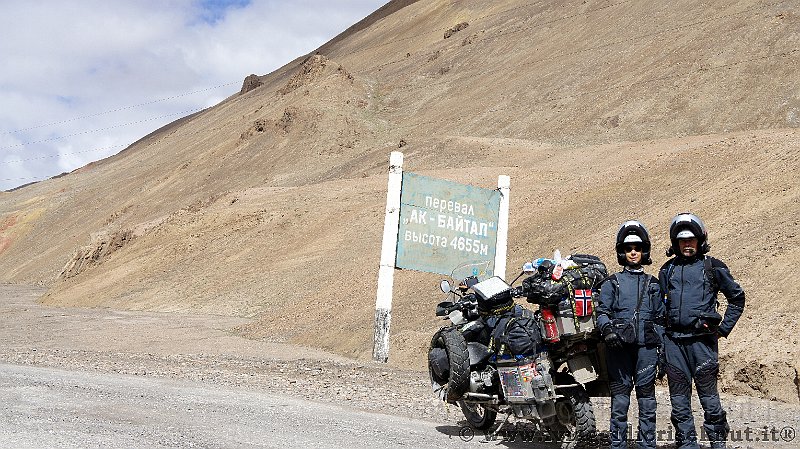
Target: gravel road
x,y
49,407
106,378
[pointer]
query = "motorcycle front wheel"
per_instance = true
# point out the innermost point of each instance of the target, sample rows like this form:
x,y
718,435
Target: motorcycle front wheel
x,y
477,415
448,348
574,424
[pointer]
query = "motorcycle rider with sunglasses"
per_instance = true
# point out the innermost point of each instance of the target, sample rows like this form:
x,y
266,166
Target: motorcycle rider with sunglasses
x,y
630,316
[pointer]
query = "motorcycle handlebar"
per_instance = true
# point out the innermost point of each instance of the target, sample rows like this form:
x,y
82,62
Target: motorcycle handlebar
x,y
464,304
519,291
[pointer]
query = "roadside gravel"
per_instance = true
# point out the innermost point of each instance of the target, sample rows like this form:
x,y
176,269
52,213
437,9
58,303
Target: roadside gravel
x,y
202,349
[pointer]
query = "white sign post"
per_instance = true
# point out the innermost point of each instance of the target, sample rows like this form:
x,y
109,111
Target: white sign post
x,y
391,225
504,186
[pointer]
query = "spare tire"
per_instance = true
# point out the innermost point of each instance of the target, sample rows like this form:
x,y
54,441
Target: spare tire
x,y
448,364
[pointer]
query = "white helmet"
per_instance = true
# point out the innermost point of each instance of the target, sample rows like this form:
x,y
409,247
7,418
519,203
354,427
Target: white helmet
x,y
633,231
687,225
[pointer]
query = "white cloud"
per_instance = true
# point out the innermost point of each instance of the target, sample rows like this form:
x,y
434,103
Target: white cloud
x,y
65,63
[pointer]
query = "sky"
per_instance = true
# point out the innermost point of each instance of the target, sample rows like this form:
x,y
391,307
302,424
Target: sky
x,y
81,80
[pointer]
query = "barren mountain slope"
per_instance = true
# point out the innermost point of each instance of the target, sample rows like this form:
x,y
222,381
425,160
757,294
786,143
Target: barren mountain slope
x,y
270,204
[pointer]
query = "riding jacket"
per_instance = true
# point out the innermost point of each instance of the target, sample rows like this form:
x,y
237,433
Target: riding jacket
x,y
690,287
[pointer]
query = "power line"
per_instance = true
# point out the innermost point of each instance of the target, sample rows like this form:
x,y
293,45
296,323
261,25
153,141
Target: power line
x,y
494,110
59,122
50,156
546,98
492,37
519,29
50,139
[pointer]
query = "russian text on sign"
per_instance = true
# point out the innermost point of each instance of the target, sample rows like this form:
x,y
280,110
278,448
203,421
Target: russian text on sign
x,y
444,224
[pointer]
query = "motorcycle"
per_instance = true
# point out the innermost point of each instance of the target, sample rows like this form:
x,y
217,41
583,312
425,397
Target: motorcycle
x,y
550,386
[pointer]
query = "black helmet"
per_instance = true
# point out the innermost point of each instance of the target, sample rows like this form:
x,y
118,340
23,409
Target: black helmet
x,y
688,225
633,231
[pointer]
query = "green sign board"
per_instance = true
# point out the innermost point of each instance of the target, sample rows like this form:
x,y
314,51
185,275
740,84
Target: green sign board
x,y
445,224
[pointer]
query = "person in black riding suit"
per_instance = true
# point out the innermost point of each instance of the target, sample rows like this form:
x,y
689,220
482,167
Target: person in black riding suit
x,y
630,315
690,282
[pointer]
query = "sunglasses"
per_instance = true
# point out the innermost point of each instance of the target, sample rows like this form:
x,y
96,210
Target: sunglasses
x,y
629,248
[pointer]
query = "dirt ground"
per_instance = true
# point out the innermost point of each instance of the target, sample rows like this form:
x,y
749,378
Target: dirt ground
x,y
202,348
266,210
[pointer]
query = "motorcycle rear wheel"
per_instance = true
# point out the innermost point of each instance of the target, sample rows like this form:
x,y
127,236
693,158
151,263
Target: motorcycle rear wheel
x,y
478,416
457,383
574,423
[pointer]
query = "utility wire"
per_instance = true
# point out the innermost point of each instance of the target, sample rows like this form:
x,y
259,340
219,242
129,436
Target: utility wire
x,y
492,37
50,139
59,122
494,110
360,50
541,101
50,156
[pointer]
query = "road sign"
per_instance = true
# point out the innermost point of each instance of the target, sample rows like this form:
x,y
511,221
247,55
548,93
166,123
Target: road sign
x,y
435,225
444,224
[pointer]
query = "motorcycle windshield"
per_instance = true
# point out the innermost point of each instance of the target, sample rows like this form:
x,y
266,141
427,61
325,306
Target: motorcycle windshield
x,y
469,269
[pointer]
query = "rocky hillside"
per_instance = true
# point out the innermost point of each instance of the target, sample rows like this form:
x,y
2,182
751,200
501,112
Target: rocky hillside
x,y
270,204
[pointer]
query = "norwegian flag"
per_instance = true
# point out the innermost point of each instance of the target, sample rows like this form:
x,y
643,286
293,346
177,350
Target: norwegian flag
x,y
583,302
